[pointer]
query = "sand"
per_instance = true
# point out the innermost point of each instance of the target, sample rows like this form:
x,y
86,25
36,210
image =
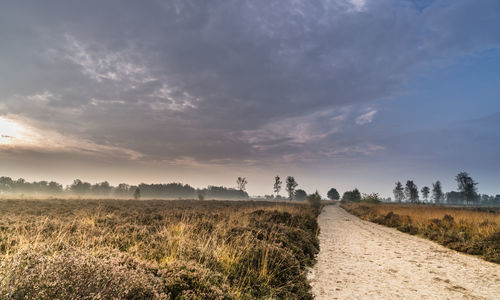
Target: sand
x,y
363,260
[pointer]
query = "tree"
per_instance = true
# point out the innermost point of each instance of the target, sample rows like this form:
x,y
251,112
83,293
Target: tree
x,y
291,184
411,191
241,182
6,184
277,185
315,202
398,191
352,196
137,193
486,198
425,192
437,192
371,198
220,192
300,195
101,189
467,186
455,197
79,187
122,190
333,194
55,188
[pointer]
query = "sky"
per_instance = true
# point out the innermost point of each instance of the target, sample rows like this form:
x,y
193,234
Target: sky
x,y
337,93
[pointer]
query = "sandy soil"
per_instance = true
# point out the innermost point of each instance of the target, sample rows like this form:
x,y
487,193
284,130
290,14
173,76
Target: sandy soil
x,y
363,260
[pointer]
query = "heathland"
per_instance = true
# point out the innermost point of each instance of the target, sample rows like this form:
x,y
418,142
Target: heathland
x,y
155,249
473,231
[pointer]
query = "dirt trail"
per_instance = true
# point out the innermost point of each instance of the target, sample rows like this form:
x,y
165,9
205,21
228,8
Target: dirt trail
x,y
363,260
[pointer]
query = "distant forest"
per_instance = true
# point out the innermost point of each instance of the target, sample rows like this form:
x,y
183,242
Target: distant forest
x,y
79,188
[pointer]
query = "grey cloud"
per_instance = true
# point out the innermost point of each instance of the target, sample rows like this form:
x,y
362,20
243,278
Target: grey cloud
x,y
219,80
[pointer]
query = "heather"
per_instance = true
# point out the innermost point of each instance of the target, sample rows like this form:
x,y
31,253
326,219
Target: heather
x,y
155,249
466,230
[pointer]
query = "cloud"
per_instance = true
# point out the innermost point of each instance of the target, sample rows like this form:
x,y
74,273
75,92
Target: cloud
x,y
172,99
106,65
25,138
366,117
223,81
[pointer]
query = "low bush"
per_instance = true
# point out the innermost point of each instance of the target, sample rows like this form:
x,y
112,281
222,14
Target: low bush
x,y
127,249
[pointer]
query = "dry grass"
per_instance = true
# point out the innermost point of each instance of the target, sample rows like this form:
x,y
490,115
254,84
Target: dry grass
x,y
466,230
124,249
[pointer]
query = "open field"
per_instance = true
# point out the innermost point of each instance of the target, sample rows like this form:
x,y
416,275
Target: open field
x,y
125,249
364,260
466,230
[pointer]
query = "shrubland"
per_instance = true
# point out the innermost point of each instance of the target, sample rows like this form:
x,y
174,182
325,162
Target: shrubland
x,y
466,230
154,249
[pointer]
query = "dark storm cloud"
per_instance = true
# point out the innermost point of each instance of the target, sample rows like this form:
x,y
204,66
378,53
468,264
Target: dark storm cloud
x,y
224,80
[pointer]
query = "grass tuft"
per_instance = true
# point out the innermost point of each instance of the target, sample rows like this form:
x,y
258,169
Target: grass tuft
x,y
128,249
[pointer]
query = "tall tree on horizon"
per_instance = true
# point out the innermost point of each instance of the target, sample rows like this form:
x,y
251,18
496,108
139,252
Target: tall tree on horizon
x,y
425,192
398,191
437,192
241,182
277,185
291,184
411,191
467,186
333,194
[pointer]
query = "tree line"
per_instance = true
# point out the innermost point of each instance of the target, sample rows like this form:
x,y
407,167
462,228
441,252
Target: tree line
x,y
9,186
467,192
291,185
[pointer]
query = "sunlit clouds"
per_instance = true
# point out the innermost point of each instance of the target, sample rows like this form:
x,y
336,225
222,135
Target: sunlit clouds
x,y
17,136
10,132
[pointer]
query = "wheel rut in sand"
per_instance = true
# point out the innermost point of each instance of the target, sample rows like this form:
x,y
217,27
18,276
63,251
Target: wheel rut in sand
x,y
363,260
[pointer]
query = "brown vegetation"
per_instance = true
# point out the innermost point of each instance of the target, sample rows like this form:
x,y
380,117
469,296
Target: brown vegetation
x,y
126,249
465,230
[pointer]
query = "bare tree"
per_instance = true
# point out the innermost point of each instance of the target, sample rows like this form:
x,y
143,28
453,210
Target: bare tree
x,y
241,182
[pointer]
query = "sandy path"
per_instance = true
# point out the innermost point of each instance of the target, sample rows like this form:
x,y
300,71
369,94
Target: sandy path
x,y
363,260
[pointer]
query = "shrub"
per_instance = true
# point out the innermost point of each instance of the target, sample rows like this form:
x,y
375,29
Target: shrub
x,y
315,202
77,274
371,198
153,249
